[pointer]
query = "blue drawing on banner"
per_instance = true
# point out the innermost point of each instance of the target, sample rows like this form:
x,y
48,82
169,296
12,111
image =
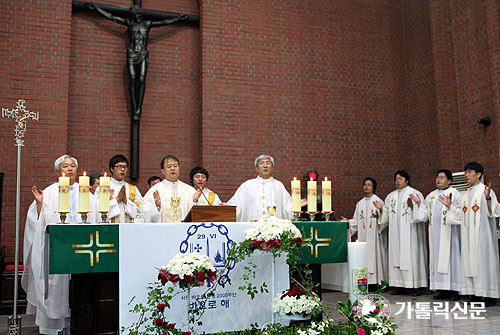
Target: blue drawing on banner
x,y
212,240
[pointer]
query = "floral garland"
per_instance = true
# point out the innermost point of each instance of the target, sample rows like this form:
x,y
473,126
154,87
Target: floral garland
x,y
271,233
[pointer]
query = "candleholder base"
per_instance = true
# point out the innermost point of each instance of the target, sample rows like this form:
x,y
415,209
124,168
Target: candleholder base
x,y
296,215
62,216
104,217
311,215
327,215
84,217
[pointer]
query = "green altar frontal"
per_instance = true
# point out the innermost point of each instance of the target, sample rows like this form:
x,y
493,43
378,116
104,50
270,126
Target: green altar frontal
x,y
324,242
83,248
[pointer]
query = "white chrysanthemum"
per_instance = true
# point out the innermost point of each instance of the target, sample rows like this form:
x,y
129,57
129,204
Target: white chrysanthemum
x,y
291,305
271,228
187,264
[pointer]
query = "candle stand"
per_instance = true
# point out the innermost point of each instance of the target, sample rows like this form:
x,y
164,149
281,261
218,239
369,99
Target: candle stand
x,y
84,217
62,216
327,215
296,215
312,215
104,216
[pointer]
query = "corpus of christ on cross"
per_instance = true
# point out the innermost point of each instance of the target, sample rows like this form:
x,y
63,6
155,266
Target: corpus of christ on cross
x,y
139,22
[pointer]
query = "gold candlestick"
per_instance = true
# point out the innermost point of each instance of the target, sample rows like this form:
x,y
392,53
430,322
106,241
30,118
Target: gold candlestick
x,y
62,216
312,214
327,215
104,216
84,217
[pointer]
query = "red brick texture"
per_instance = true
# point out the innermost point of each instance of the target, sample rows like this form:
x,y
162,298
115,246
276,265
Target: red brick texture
x,y
350,88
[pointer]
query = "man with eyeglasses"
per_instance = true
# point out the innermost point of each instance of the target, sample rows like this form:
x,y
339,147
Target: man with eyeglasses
x,y
127,195
480,259
443,211
254,196
170,200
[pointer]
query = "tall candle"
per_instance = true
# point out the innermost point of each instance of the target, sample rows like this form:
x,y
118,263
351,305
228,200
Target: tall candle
x,y
104,193
295,195
63,206
358,274
83,196
311,195
326,195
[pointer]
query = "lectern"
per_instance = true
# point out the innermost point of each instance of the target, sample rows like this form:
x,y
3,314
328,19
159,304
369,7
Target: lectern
x,y
211,214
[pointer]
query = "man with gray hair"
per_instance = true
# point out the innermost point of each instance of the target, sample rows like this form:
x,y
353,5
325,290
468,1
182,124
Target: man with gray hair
x,y
254,196
52,314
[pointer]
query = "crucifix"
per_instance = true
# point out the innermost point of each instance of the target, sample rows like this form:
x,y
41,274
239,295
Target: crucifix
x,y
20,115
137,57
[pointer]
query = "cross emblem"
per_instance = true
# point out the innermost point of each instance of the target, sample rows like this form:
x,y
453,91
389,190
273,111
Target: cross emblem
x,y
20,114
316,242
91,248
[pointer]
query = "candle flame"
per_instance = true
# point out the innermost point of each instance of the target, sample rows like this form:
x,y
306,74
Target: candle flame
x,y
294,178
63,174
84,173
326,179
311,179
104,174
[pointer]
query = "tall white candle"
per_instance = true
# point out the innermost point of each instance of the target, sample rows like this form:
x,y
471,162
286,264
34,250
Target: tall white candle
x,y
358,274
295,195
104,193
326,195
83,196
312,190
63,204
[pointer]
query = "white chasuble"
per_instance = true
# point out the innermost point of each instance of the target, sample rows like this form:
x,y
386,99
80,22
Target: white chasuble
x,y
480,243
407,240
254,196
52,314
128,211
167,190
445,267
367,222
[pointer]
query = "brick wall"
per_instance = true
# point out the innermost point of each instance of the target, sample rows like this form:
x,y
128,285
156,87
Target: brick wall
x,y
351,88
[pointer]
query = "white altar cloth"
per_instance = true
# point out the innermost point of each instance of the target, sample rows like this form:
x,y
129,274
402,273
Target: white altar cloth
x,y
146,247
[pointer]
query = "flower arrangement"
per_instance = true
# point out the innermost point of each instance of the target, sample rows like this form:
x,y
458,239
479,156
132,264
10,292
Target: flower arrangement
x,y
296,301
188,270
271,233
372,313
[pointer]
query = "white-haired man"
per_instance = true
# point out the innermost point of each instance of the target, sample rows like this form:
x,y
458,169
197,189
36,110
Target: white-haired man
x,y
254,196
52,314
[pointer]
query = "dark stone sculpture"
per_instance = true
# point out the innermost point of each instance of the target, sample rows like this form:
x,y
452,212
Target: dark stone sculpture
x,y
137,53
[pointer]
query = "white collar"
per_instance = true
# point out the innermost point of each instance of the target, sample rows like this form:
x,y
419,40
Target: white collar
x,y
121,182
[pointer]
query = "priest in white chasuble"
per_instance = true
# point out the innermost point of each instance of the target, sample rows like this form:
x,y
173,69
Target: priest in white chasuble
x,y
52,314
367,222
127,195
443,211
171,199
198,177
254,196
480,209
407,240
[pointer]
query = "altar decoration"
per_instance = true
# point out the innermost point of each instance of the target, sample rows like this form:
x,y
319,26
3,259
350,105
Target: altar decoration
x,y
297,303
188,270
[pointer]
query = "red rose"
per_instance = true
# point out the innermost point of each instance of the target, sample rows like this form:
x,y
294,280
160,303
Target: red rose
x,y
376,311
158,322
360,331
170,326
188,279
201,276
161,307
187,333
174,278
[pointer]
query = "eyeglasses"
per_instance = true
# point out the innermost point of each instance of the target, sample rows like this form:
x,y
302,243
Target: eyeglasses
x,y
121,166
265,163
172,166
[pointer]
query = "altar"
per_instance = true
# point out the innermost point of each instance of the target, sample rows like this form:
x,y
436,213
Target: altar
x,y
136,251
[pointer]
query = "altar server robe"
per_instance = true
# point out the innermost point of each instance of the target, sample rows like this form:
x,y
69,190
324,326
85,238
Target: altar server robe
x,y
445,261
202,201
52,314
128,211
167,190
254,196
407,241
372,231
480,244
